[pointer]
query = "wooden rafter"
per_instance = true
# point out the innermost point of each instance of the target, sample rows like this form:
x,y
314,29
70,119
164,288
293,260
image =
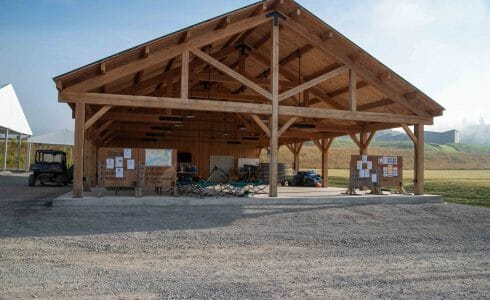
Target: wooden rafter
x,y
340,55
167,53
225,69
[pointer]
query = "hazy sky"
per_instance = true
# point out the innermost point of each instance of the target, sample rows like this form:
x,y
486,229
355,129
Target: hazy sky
x,y
442,47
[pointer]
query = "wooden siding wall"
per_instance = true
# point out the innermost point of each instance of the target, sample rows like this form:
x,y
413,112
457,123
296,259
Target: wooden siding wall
x,y
201,151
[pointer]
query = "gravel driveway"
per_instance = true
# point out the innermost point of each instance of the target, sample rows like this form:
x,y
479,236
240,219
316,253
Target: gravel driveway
x,y
323,251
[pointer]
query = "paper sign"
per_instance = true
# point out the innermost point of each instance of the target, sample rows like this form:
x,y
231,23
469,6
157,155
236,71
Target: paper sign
x,y
374,178
130,164
369,165
359,165
127,153
109,164
119,172
119,161
364,158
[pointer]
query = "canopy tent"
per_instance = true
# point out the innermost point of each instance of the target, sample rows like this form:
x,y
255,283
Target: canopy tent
x,y
12,116
12,120
61,137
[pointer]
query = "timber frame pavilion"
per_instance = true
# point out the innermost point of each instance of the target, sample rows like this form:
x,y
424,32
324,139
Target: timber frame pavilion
x,y
265,75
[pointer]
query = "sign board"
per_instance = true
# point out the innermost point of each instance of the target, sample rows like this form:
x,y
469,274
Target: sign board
x,y
158,157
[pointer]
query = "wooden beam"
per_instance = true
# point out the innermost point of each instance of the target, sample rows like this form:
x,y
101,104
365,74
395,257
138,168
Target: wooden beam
x,y
217,77
419,160
352,90
312,83
97,116
274,147
326,143
355,139
375,104
167,53
322,113
261,124
410,133
286,126
184,81
334,50
237,107
225,69
78,150
369,139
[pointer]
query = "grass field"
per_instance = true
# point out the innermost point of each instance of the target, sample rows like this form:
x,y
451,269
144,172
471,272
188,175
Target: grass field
x,y
470,187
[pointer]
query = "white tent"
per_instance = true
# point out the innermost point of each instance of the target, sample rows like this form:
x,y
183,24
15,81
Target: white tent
x,y
12,116
12,120
63,137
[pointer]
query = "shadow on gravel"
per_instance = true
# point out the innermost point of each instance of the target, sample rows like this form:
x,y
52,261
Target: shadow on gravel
x,y
26,212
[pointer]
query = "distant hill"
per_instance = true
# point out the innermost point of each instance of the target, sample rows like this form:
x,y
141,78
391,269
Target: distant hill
x,y
437,157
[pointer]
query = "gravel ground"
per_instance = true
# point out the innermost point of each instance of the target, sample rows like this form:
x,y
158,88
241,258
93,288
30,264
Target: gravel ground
x,y
323,251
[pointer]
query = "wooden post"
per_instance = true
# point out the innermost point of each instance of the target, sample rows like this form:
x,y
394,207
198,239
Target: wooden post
x,y
19,147
324,165
352,90
296,161
5,149
324,145
184,82
275,110
78,150
419,160
363,147
28,156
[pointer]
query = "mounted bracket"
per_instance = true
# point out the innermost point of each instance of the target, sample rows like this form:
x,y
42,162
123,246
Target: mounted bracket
x,y
276,15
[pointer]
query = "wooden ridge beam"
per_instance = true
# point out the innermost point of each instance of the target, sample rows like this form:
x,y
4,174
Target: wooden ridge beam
x,y
167,53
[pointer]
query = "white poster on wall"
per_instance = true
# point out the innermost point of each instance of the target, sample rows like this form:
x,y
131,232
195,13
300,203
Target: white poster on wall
x,y
127,153
109,164
119,172
158,157
119,161
130,164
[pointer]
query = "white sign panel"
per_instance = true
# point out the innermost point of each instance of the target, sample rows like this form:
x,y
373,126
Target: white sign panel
x,y
127,153
130,164
119,172
119,162
109,164
158,157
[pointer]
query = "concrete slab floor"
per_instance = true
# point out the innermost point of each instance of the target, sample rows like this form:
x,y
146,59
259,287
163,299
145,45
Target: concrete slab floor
x,y
286,196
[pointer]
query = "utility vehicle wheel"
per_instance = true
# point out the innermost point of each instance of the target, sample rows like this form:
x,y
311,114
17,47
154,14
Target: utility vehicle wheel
x,y
32,180
59,180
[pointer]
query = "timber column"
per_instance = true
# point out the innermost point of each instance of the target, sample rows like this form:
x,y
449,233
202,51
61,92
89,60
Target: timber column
x,y
419,160
78,150
275,109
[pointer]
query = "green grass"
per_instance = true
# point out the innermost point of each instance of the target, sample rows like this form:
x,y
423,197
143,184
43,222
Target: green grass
x,y
471,187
